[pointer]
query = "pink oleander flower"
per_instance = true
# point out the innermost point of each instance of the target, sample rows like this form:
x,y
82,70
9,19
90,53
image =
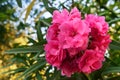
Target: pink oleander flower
x,y
64,15
75,44
97,23
100,42
91,61
69,66
54,54
52,32
74,34
59,17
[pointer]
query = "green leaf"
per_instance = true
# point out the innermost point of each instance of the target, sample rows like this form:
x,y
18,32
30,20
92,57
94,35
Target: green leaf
x,y
47,72
115,45
28,77
19,60
115,42
29,9
45,22
113,78
39,32
114,20
50,9
32,68
110,70
36,57
25,49
3,16
19,2
112,62
38,76
54,76
8,65
31,40
15,70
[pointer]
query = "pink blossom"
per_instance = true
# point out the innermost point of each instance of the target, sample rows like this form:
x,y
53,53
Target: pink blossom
x,y
100,42
98,35
74,34
69,66
52,32
54,54
74,14
64,15
75,44
73,51
91,61
59,17
97,22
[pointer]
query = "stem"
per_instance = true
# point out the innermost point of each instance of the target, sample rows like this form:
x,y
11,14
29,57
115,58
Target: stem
x,y
88,76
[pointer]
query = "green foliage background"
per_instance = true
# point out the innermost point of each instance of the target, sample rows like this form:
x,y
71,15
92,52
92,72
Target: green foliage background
x,y
20,16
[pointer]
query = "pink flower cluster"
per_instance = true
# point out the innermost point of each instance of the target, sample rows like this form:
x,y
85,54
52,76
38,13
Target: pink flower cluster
x,y
75,44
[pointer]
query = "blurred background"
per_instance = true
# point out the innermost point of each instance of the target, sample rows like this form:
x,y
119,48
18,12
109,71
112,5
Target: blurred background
x,y
23,24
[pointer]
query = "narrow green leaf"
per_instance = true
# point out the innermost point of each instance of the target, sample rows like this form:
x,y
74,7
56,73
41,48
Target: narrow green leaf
x,y
111,70
31,40
38,76
15,70
39,33
113,78
19,2
46,23
115,42
36,57
27,77
29,9
47,72
21,69
19,60
50,9
115,45
103,13
32,68
56,75
8,65
111,61
4,16
114,20
25,50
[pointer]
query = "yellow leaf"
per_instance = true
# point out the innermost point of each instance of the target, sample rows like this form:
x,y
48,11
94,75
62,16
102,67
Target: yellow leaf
x,y
40,14
29,9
